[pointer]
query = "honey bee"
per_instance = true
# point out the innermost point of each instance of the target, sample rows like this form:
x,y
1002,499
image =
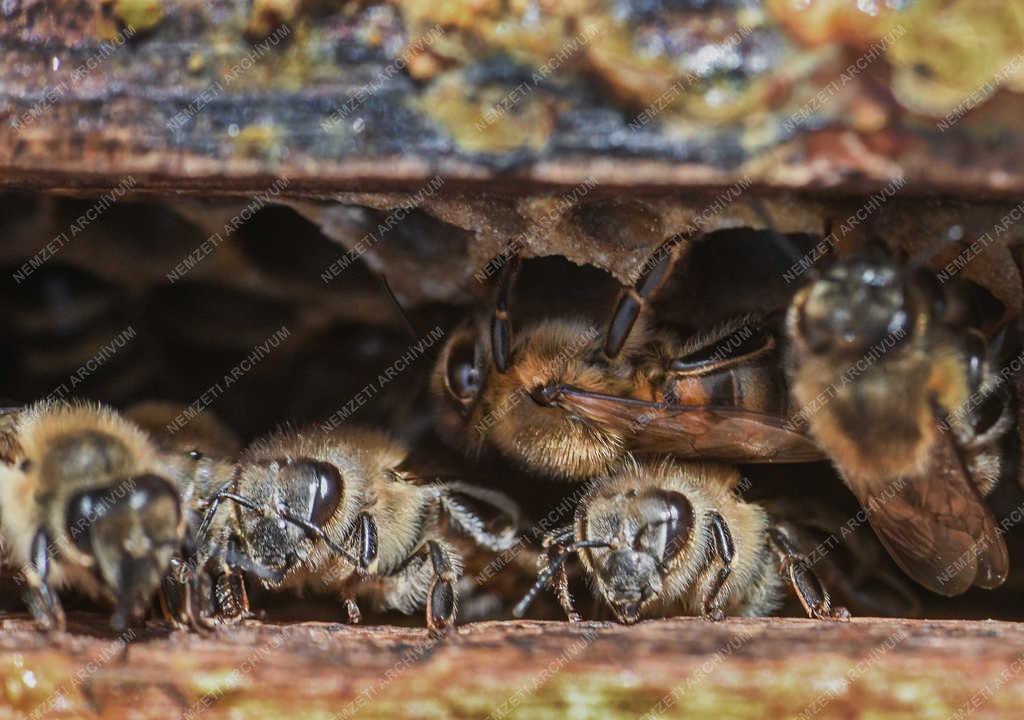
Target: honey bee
x,y
900,386
86,501
564,398
334,512
660,538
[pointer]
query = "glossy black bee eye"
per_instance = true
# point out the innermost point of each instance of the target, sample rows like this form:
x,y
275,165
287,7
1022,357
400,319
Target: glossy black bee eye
x,y
82,511
89,507
195,454
462,371
678,522
325,491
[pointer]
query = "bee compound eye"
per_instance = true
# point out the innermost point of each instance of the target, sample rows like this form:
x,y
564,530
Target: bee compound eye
x,y
325,488
678,522
82,511
463,376
89,508
464,381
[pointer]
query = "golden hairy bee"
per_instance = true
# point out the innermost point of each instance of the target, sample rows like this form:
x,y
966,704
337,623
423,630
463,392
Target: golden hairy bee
x,y
566,399
87,501
660,538
335,512
899,384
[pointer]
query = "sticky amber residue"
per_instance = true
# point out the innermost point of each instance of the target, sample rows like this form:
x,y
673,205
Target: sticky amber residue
x,y
945,54
196,62
268,15
955,55
140,15
259,141
528,31
820,22
491,120
564,41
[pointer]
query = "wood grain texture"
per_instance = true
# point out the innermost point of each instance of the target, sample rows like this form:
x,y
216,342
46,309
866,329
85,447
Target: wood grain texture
x,y
681,668
193,103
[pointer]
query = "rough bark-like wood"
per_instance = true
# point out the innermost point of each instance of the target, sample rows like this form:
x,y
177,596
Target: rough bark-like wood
x,y
683,668
62,127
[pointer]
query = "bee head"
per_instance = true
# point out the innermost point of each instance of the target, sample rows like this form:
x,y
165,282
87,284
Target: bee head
x,y
130,530
512,405
646,534
297,495
855,305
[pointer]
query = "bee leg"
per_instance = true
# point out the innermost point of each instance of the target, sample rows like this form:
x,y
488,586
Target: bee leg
x,y
41,600
178,600
174,590
557,546
367,542
562,584
808,587
193,615
472,523
177,584
441,601
632,300
230,597
352,608
195,594
725,550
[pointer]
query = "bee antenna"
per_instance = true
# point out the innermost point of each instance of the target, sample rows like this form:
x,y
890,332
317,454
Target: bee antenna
x,y
298,522
923,257
386,287
800,260
236,558
501,324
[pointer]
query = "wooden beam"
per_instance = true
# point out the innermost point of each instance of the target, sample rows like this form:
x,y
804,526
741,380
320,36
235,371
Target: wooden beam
x,y
680,668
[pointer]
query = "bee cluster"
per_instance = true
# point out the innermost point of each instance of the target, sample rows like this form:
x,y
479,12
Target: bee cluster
x,y
685,458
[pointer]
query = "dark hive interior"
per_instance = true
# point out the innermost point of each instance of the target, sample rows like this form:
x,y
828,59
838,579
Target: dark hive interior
x,y
199,200
141,305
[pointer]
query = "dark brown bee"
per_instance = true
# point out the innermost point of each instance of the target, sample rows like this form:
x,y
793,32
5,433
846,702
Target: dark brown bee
x,y
87,501
564,398
899,385
334,512
203,432
663,538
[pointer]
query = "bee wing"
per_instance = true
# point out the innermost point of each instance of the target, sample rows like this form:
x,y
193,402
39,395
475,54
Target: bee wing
x,y
693,431
936,526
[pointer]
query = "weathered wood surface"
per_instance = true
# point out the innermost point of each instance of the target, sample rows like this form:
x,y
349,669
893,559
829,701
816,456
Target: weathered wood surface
x,y
683,668
847,96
